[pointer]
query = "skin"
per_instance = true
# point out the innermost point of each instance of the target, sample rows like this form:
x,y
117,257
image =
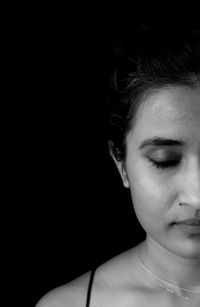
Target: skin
x,y
171,112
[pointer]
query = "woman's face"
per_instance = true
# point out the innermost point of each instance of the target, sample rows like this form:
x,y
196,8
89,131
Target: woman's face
x,y
171,113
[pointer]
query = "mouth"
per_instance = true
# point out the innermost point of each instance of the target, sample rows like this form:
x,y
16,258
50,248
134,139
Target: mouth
x,y
190,222
190,226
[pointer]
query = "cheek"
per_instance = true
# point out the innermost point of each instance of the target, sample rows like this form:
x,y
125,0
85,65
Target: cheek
x,y
149,197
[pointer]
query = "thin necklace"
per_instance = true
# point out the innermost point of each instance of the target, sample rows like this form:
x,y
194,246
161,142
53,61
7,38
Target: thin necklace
x,y
166,283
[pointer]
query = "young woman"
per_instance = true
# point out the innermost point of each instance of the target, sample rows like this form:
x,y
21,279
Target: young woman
x,y
154,139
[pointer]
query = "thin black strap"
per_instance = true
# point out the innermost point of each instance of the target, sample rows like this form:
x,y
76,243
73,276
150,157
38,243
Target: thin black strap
x,y
90,287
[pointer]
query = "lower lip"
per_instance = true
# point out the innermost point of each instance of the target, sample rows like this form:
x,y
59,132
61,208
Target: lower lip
x,y
190,229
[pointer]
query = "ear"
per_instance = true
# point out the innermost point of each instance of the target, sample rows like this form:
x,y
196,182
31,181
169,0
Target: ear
x,y
120,166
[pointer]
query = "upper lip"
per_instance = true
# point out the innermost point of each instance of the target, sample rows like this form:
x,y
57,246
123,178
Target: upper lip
x,y
192,222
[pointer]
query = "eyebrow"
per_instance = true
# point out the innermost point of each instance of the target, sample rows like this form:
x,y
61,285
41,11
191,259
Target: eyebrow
x,y
157,141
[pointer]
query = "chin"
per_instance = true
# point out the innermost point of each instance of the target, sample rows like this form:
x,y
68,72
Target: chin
x,y
188,249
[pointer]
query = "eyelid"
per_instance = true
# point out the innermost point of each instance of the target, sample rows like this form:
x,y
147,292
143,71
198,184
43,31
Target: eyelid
x,y
165,165
163,155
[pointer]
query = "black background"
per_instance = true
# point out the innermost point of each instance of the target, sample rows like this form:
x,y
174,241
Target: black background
x,y
75,211
70,211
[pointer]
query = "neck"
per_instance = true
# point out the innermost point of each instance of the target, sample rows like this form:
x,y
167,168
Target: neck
x,y
179,271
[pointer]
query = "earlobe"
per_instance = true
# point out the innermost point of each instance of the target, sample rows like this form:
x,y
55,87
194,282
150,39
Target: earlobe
x,y
123,174
126,181
122,170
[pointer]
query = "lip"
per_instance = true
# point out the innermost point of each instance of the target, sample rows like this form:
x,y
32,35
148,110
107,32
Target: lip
x,y
193,230
190,222
190,226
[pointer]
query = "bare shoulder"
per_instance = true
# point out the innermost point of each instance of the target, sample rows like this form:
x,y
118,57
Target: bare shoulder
x,y
110,280
72,294
121,268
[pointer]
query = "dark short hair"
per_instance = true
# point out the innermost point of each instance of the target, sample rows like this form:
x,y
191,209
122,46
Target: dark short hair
x,y
150,58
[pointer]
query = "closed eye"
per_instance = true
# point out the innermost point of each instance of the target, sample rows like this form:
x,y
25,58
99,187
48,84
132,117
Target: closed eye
x,y
165,164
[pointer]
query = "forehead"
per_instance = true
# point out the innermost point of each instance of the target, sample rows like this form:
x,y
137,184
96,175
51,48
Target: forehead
x,y
170,111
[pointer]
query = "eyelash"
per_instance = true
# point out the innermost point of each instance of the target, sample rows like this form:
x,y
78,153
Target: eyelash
x,y
165,164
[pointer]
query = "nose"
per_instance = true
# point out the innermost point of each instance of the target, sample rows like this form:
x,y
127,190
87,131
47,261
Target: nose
x,y
191,186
